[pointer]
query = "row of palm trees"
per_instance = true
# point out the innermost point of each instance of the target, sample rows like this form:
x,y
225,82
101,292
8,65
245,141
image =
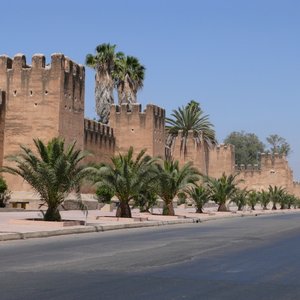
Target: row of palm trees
x,y
114,69
54,171
274,195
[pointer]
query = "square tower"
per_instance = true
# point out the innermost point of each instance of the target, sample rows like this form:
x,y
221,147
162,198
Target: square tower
x,y
41,101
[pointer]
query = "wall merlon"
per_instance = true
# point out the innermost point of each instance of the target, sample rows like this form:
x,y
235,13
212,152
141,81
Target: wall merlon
x,y
136,108
5,62
19,62
104,130
38,61
57,61
156,110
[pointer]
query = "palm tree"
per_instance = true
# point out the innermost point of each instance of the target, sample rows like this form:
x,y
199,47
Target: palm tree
x,y
190,118
127,177
146,199
222,189
264,199
200,195
240,198
171,180
290,200
52,171
103,62
275,195
252,199
129,76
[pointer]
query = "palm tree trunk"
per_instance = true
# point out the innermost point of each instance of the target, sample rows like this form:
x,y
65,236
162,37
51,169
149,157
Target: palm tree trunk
x,y
52,214
129,94
274,206
168,209
103,97
199,210
123,210
121,95
222,207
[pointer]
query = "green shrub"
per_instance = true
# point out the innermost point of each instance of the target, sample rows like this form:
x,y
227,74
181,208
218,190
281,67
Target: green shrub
x,y
104,194
4,194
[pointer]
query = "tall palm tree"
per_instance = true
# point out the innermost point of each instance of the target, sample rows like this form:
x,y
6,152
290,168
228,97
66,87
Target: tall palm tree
x,y
222,189
129,76
103,62
187,118
201,195
171,180
126,176
52,170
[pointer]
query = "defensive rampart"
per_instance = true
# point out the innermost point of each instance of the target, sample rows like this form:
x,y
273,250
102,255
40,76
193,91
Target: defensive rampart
x,y
137,128
211,161
41,101
273,170
99,141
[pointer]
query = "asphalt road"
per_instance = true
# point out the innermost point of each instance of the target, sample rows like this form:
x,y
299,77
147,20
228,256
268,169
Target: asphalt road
x,y
242,258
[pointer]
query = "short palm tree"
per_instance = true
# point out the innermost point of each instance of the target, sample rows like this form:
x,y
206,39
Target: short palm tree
x,y
103,63
201,195
240,198
127,177
173,179
291,200
252,199
146,199
129,77
275,194
222,189
52,170
264,199
186,119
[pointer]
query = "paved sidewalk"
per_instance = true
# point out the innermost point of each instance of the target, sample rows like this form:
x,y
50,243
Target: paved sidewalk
x,y
13,225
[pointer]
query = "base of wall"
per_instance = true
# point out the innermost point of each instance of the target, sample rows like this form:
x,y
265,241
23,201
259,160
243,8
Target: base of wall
x,y
31,201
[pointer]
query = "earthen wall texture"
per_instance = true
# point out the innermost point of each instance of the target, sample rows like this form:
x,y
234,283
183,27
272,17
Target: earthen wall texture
x,y
213,161
99,142
137,128
274,171
45,101
41,101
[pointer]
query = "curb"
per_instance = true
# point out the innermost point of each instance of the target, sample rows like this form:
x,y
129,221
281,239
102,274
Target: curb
x,y
93,227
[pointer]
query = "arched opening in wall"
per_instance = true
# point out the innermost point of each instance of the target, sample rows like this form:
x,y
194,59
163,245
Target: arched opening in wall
x,y
15,92
46,92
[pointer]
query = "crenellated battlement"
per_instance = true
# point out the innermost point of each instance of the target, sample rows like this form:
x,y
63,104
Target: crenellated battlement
x,y
126,113
135,127
58,62
224,147
98,128
247,168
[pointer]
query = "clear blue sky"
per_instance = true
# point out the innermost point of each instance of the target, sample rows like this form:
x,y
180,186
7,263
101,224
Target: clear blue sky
x,y
240,59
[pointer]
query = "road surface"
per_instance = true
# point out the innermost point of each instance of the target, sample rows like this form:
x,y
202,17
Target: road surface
x,y
241,258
